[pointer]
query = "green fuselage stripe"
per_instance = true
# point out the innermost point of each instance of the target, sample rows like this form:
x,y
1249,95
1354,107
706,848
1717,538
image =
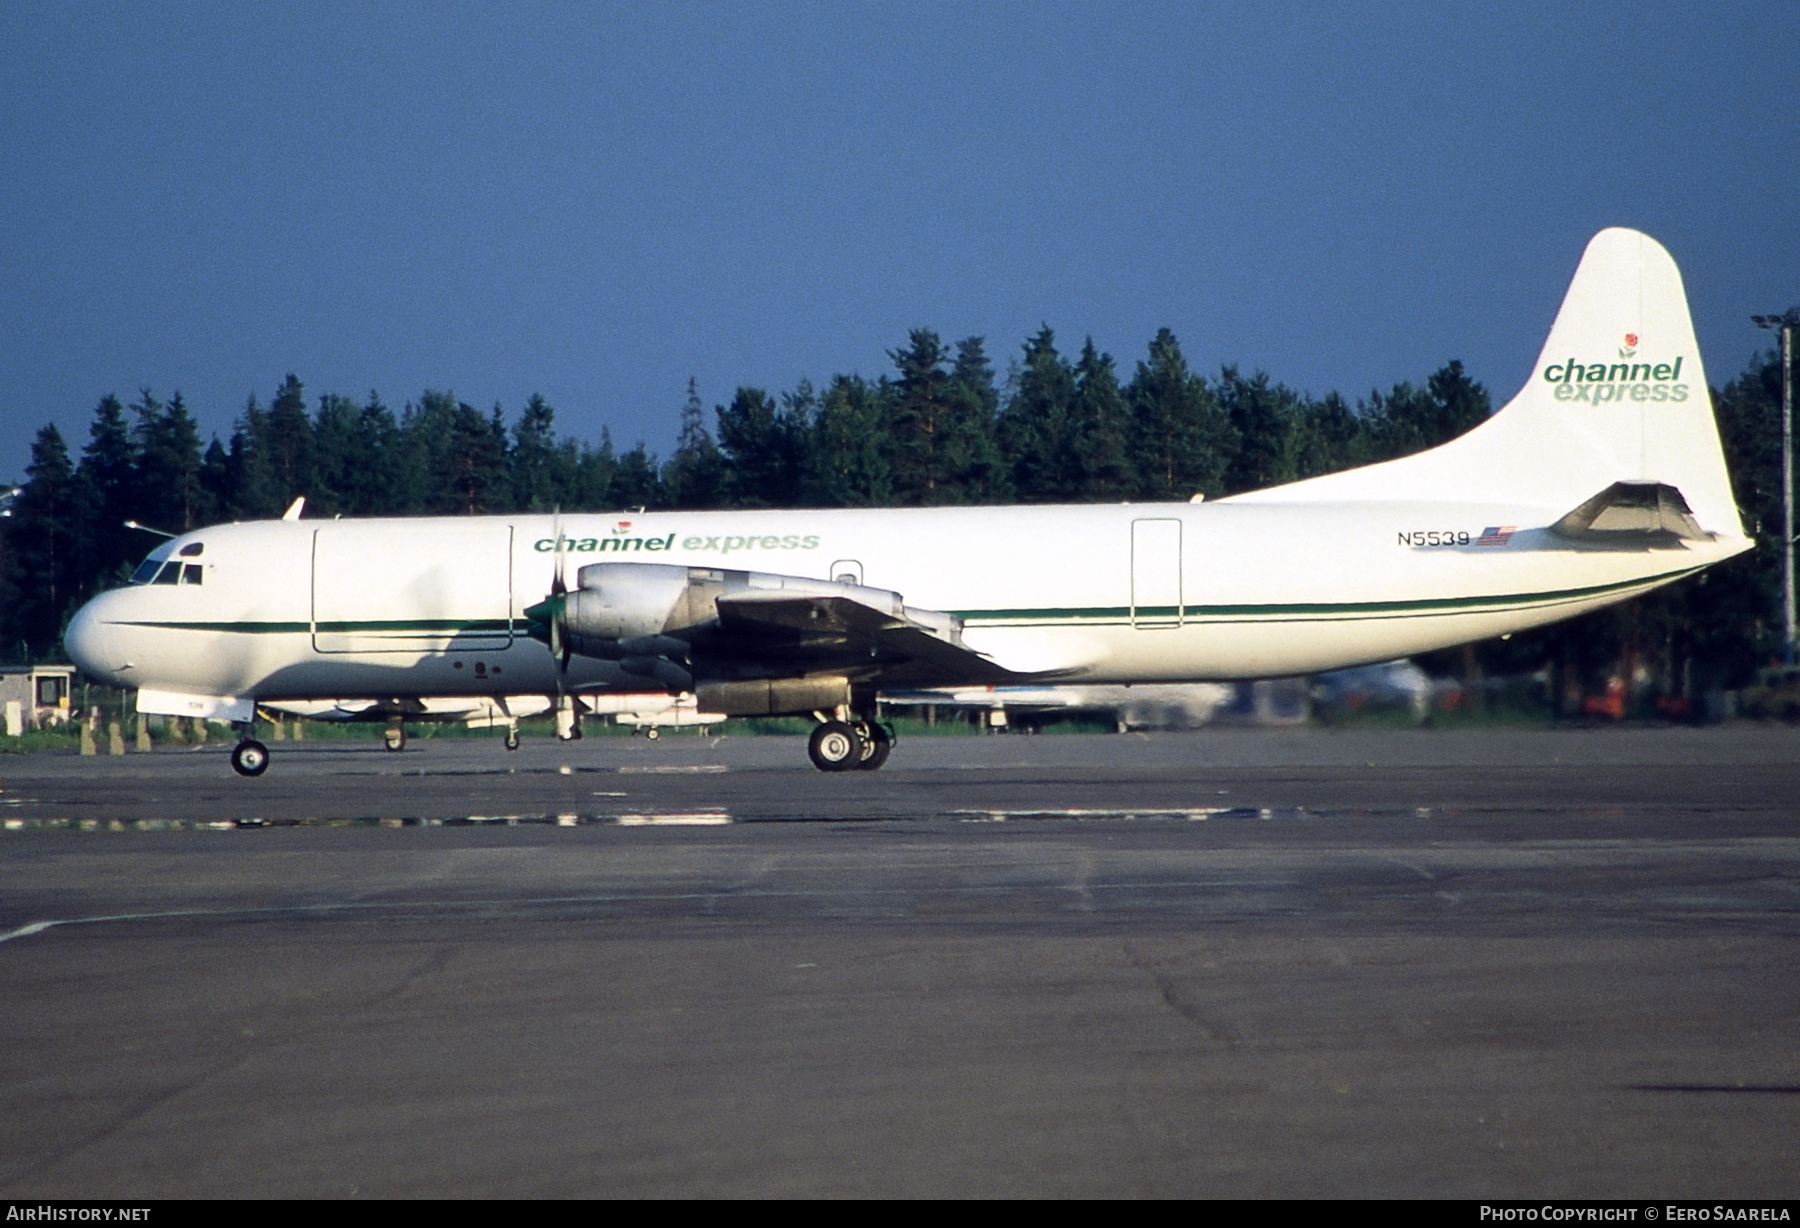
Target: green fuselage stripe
x,y
430,628
1318,611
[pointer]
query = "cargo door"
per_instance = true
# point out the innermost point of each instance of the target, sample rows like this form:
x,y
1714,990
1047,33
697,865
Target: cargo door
x,y
1156,573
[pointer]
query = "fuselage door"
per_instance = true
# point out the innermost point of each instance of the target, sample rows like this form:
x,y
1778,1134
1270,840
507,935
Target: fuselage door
x,y
1156,573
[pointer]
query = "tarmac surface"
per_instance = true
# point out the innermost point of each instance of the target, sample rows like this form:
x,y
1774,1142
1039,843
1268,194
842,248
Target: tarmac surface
x,y
1477,963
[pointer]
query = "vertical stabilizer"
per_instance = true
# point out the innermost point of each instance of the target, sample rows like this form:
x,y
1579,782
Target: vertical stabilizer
x,y
1618,395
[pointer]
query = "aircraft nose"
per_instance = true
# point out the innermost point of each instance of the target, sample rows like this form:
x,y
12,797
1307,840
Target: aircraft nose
x,y
87,643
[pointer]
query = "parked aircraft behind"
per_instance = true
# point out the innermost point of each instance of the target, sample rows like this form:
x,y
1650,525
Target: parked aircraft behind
x,y
1602,479
642,710
1170,705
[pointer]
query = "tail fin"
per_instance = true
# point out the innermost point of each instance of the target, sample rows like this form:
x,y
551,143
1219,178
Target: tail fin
x,y
1618,395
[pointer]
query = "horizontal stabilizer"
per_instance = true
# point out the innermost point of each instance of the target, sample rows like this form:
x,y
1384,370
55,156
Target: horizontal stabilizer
x,y
1632,514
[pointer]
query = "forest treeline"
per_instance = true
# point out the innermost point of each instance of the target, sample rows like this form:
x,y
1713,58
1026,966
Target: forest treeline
x,y
942,428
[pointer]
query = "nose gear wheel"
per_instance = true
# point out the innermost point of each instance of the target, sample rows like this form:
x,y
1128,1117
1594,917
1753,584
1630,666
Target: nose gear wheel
x,y
250,758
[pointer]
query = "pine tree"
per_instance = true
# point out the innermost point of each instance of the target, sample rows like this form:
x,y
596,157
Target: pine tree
x,y
972,469
764,448
1034,430
846,461
1264,418
215,479
472,476
384,484
169,492
695,474
634,483
106,477
919,409
336,457
427,438
289,443
254,491
593,470
1328,437
1461,403
1181,441
1737,627
1100,423
47,576
1410,419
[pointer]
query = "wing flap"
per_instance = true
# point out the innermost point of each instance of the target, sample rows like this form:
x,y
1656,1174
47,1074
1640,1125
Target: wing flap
x,y
901,643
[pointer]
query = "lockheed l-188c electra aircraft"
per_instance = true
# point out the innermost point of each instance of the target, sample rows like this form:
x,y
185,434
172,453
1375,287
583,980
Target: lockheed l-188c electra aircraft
x,y
1602,479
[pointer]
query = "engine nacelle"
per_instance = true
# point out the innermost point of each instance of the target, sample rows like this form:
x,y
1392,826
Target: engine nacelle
x,y
635,614
623,610
623,601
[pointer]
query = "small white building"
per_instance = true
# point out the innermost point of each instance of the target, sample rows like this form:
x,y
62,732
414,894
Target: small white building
x,y
33,696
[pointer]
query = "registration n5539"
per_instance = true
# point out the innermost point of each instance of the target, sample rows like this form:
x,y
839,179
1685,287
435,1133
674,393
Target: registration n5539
x,y
1435,537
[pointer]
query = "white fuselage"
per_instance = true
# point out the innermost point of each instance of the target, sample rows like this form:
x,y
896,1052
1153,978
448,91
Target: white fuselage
x,y
1095,593
1613,430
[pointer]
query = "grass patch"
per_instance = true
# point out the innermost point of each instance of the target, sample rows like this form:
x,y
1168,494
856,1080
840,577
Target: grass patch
x,y
57,737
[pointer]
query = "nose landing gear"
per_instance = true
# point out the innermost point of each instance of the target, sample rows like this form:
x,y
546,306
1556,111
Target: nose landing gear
x,y
250,758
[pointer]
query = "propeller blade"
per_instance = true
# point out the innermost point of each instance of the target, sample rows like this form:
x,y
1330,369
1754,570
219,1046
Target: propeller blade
x,y
549,614
558,585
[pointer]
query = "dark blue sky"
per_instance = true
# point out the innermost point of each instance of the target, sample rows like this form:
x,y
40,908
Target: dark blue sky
x,y
596,202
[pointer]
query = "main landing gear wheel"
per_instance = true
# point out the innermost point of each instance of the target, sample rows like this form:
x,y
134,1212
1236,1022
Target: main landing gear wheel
x,y
250,758
877,743
835,747
395,737
512,739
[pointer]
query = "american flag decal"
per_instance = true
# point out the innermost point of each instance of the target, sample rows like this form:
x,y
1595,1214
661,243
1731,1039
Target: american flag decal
x,y
1496,535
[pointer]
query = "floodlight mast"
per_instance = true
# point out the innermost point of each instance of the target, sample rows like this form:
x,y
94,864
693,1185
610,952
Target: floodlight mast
x,y
1785,324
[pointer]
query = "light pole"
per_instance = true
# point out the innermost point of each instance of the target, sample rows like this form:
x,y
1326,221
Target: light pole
x,y
1786,323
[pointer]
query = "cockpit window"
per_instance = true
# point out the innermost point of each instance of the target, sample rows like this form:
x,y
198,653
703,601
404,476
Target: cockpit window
x,y
147,568
153,571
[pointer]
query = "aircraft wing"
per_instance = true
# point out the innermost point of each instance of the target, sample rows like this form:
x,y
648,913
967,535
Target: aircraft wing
x,y
909,645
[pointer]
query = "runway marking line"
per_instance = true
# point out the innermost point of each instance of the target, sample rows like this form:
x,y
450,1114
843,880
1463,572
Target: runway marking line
x,y
673,769
1193,816
609,897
